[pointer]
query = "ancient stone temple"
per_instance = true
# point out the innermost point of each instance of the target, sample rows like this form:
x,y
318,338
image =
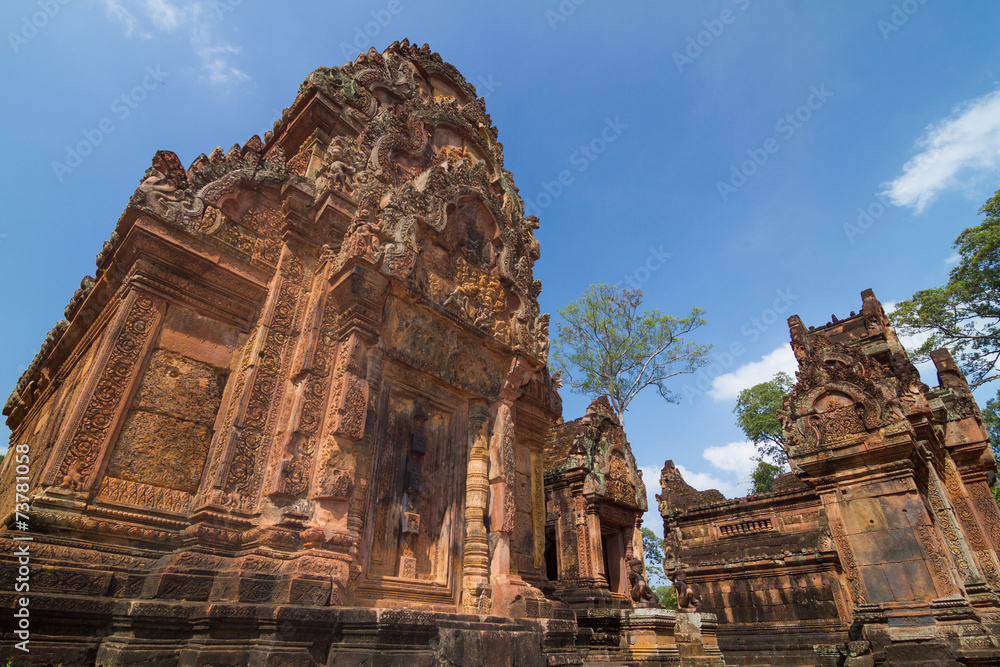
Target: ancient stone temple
x,y
882,548
299,417
594,548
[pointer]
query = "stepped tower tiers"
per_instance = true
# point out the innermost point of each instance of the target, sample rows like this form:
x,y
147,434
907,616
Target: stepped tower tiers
x,y
881,548
299,417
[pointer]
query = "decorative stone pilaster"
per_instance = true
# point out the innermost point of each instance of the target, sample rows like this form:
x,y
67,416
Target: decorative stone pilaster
x,y
476,556
93,425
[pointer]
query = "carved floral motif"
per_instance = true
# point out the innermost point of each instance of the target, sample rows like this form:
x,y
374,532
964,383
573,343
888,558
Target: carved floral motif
x,y
109,393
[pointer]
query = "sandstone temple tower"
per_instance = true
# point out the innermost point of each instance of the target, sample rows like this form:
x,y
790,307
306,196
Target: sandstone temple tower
x,y
299,416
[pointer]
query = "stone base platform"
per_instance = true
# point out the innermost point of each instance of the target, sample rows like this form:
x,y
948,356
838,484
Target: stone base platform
x,y
651,636
77,631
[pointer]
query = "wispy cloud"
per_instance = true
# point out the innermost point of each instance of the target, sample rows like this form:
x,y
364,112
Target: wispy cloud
x,y
730,385
214,55
731,465
962,147
164,15
703,481
144,18
734,458
118,13
652,518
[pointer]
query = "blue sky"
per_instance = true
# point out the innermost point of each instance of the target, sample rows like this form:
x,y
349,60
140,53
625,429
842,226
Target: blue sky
x,y
717,154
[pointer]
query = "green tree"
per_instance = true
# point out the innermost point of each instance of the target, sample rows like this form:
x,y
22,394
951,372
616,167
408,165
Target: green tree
x,y
964,314
757,415
652,548
604,345
763,476
991,418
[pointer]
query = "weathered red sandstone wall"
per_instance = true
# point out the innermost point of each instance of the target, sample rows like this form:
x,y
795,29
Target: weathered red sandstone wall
x,y
311,371
764,564
889,530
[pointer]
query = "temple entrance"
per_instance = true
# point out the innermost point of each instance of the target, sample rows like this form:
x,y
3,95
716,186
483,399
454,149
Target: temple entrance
x,y
415,499
551,554
613,551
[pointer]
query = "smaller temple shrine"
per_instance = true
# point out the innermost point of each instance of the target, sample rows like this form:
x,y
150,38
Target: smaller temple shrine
x,y
595,501
881,548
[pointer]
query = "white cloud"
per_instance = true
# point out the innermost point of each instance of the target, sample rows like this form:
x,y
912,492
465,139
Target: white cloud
x,y
953,259
118,13
703,481
652,519
171,15
728,386
910,343
165,15
730,468
734,458
951,151
214,57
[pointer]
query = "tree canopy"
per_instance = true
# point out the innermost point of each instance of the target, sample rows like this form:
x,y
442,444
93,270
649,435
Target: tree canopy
x,y
604,345
757,415
652,548
763,476
964,314
991,418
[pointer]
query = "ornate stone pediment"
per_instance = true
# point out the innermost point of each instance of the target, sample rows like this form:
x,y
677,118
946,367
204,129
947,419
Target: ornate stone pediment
x,y
599,447
841,391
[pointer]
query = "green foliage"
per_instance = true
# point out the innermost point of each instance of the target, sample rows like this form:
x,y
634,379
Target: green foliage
x,y
996,493
757,415
667,595
604,345
763,476
652,549
964,315
991,418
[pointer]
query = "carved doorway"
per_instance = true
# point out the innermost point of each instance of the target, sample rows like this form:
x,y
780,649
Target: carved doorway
x,y
415,499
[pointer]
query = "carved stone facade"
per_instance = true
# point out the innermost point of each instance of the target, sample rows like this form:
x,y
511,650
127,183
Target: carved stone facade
x,y
300,415
888,533
764,564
